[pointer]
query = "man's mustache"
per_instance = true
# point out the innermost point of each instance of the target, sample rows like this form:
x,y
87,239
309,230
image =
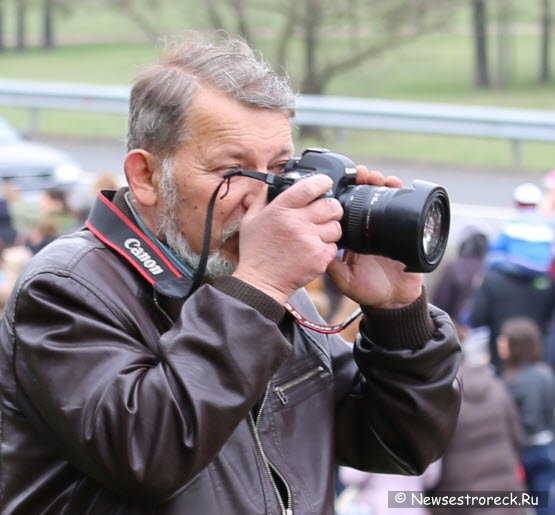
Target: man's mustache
x,y
229,232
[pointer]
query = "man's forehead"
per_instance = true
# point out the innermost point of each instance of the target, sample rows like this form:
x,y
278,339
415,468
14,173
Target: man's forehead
x,y
235,131
249,153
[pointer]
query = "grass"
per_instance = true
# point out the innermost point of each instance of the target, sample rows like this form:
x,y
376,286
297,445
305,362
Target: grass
x,y
436,68
108,63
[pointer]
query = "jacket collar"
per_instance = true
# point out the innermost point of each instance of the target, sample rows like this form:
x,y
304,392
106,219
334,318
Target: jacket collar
x,y
112,222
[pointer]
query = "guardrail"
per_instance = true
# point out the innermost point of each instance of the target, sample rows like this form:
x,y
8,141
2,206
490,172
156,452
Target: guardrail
x,y
515,125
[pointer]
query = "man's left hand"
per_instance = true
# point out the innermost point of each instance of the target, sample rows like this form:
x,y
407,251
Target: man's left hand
x,y
371,280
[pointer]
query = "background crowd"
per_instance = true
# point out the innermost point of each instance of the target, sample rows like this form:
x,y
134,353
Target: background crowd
x,y
29,222
500,291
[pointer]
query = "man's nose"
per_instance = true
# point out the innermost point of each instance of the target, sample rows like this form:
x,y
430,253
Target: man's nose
x,y
254,188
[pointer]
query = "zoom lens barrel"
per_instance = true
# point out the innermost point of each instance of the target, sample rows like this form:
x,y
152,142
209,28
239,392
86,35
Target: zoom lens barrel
x,y
410,225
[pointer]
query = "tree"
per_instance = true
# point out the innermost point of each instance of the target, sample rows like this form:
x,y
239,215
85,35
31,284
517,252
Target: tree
x,y
545,22
2,20
21,24
47,23
481,64
330,36
135,11
505,51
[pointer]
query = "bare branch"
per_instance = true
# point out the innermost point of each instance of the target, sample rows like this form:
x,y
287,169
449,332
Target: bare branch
x,y
214,17
334,35
242,21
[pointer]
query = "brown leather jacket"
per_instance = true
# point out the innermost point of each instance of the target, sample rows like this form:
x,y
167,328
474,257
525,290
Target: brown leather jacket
x,y
109,407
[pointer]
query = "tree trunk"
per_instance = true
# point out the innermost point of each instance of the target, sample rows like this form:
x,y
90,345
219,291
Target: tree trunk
x,y
505,13
545,68
2,21
311,84
21,24
47,24
242,25
311,44
481,65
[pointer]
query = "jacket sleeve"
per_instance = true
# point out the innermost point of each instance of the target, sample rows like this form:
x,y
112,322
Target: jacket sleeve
x,y
399,412
143,423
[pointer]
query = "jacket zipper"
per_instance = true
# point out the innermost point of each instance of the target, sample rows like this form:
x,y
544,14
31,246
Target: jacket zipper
x,y
269,466
282,388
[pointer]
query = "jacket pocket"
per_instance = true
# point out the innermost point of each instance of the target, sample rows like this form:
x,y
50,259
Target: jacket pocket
x,y
306,381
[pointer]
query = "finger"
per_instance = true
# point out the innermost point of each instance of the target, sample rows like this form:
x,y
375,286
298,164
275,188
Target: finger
x,y
331,252
339,273
365,176
330,231
392,181
323,210
305,191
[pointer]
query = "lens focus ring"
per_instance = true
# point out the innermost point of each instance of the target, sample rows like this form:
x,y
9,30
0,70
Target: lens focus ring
x,y
356,225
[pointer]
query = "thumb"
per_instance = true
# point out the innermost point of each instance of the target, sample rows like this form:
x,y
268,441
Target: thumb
x,y
339,272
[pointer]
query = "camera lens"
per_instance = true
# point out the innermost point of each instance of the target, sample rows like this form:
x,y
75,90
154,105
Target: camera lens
x,y
431,235
410,225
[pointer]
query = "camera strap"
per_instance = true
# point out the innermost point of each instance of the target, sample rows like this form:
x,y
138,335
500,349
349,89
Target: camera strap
x,y
117,231
107,222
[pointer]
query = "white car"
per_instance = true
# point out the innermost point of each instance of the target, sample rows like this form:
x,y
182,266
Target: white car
x,y
32,167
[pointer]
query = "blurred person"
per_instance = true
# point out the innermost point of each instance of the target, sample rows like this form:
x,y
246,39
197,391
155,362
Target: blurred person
x,y
81,198
154,376
547,206
484,453
367,493
9,234
525,244
461,276
531,382
55,207
547,209
517,281
12,261
44,232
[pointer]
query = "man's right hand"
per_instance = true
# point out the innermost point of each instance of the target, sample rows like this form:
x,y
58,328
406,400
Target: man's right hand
x,y
289,242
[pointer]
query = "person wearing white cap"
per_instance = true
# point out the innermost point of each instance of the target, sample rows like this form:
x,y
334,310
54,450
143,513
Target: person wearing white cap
x,y
527,195
525,243
517,280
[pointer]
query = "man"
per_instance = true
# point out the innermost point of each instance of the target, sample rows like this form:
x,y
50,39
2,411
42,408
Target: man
x,y
127,389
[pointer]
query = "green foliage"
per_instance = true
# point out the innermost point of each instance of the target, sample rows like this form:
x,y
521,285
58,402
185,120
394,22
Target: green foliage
x,y
101,43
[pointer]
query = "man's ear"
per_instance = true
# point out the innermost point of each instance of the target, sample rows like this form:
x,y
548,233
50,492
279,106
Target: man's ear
x,y
141,172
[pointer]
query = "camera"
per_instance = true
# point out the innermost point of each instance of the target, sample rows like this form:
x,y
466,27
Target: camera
x,y
410,225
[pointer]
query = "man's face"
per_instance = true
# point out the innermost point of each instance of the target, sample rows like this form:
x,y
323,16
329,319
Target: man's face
x,y
225,135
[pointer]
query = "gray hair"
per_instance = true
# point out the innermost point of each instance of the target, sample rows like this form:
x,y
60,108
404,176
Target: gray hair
x,y
162,93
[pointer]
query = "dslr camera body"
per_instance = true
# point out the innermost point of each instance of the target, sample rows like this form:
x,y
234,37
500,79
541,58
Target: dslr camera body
x,y
410,225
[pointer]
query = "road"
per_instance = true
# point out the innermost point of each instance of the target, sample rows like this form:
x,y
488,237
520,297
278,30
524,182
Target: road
x,y
478,195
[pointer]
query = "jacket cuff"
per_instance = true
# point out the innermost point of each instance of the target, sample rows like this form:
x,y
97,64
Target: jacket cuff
x,y
251,296
409,327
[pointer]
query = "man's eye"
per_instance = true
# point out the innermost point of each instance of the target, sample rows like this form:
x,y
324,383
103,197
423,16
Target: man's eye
x,y
278,169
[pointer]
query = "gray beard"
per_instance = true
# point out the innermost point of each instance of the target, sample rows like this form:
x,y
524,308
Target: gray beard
x,y
217,264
